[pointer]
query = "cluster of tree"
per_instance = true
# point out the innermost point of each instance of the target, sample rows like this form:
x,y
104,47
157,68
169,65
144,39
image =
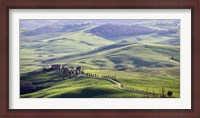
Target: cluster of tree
x,y
163,94
108,77
111,77
91,75
65,71
47,69
28,87
70,71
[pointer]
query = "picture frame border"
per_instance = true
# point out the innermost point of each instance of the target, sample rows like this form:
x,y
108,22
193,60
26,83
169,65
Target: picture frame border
x,y
194,112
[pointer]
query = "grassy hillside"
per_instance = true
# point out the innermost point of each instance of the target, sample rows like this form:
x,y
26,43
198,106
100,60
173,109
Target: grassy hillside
x,y
125,54
34,53
166,34
128,59
148,80
83,48
65,42
140,80
54,86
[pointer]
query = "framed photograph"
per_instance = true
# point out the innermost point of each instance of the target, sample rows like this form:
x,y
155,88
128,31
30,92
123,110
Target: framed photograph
x,y
100,58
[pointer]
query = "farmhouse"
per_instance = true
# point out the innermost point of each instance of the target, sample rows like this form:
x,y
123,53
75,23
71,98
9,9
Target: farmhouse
x,y
56,67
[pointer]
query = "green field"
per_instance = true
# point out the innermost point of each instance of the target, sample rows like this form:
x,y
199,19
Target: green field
x,y
154,81
56,87
150,80
121,65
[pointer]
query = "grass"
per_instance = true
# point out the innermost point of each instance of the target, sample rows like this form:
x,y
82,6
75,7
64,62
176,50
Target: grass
x,y
147,80
156,69
62,46
133,55
36,50
79,88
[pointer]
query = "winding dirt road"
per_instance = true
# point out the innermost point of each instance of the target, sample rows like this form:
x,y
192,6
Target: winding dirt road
x,y
135,91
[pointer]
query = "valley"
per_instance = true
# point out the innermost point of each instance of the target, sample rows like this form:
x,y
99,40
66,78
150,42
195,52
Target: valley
x,y
144,58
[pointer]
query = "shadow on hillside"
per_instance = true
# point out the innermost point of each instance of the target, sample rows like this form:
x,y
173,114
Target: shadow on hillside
x,y
86,93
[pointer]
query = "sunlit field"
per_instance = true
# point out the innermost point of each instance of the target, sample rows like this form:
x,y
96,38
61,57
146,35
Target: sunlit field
x,y
100,59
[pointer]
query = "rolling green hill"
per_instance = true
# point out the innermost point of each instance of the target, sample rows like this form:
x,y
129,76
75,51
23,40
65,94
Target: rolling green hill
x,y
34,53
125,54
54,86
81,46
147,79
119,59
65,42
136,84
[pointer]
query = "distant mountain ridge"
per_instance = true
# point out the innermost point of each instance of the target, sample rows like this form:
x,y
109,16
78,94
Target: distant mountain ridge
x,y
31,24
109,31
55,28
